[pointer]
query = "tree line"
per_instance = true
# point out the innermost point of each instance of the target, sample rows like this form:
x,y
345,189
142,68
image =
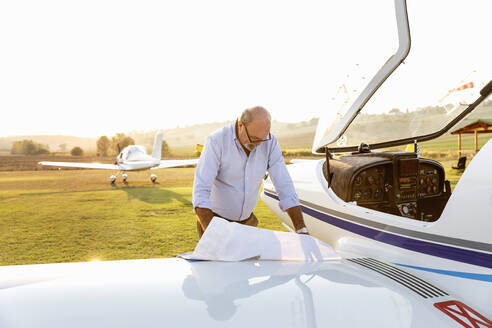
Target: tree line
x,y
30,147
104,146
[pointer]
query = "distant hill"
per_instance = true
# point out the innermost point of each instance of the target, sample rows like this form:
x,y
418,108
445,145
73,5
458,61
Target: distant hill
x,y
196,134
290,135
180,137
483,112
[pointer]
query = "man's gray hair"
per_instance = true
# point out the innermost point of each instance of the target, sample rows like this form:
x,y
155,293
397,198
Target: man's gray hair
x,y
248,115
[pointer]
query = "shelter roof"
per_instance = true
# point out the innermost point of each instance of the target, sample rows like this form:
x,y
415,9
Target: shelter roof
x,y
481,126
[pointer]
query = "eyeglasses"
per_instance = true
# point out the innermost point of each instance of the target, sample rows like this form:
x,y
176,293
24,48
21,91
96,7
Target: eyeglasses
x,y
252,143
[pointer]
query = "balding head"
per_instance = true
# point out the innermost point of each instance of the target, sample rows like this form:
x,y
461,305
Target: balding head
x,y
254,114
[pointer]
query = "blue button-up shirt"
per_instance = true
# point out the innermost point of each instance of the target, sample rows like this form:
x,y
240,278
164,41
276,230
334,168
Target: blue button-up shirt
x,y
228,182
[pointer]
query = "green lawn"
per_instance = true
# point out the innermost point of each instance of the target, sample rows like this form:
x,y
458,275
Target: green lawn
x,y
73,216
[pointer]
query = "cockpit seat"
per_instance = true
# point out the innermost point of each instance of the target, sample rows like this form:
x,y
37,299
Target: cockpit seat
x,y
461,163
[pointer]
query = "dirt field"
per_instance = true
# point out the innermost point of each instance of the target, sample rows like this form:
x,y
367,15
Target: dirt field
x,y
30,163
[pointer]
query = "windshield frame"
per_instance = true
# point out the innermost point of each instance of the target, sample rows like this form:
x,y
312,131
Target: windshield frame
x,y
386,70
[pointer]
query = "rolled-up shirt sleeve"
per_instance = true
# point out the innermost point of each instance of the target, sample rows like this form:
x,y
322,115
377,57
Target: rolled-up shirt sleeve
x,y
281,179
205,174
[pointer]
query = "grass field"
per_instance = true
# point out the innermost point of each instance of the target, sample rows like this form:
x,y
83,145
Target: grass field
x,y
73,216
49,216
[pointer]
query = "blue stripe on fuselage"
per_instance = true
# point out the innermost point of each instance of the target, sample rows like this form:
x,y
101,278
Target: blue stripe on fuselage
x,y
420,246
466,275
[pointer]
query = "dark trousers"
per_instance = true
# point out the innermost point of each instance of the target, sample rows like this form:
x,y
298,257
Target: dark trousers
x,y
251,221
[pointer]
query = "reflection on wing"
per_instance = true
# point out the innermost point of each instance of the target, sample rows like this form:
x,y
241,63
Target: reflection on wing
x,y
176,163
82,165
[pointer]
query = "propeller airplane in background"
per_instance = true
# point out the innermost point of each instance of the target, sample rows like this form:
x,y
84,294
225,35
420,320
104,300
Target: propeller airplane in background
x,y
132,158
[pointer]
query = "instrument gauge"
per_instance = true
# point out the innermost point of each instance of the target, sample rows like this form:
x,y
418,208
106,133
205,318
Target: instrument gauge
x,y
377,193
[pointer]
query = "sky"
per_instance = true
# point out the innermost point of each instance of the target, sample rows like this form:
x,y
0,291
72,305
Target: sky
x,y
97,67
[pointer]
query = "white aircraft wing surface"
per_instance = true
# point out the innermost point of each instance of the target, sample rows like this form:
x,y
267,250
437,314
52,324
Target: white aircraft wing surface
x,y
179,293
176,163
83,165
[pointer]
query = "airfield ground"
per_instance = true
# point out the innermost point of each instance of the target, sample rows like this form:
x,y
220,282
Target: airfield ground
x,y
50,216
76,215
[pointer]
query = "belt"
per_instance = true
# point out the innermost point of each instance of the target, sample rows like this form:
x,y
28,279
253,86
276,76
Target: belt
x,y
220,216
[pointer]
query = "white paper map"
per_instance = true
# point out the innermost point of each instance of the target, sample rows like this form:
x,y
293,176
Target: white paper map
x,y
228,241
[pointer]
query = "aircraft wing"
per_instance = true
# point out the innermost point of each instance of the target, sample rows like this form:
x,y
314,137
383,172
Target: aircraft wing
x,y
176,163
82,165
179,293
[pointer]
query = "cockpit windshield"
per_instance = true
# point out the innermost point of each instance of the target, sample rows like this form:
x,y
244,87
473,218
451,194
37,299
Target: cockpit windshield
x,y
367,49
134,153
448,65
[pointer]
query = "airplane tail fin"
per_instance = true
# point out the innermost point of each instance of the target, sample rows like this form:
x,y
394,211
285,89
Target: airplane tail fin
x,y
156,152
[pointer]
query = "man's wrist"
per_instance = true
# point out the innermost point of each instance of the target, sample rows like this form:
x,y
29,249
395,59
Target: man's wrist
x,y
205,215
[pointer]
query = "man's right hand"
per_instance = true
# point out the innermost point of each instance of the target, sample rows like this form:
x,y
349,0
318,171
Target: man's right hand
x,y
205,215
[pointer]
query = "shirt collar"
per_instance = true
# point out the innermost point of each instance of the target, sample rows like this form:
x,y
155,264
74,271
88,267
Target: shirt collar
x,y
234,133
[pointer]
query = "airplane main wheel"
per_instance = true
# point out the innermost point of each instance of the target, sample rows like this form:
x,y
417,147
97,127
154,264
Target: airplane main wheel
x,y
153,178
124,176
112,178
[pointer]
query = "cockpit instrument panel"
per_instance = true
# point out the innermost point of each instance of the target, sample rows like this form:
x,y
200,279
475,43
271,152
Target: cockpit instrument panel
x,y
392,182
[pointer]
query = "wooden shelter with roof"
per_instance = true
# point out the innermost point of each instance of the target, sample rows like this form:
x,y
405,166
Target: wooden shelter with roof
x,y
477,127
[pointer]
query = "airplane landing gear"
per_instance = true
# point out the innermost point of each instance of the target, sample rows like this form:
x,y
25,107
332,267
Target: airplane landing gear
x,y
153,178
124,176
113,177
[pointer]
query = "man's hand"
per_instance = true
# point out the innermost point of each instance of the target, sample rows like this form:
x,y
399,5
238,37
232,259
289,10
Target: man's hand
x,y
295,214
205,215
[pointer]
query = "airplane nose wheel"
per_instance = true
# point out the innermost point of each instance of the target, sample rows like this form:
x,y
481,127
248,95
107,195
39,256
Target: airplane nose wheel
x,y
153,178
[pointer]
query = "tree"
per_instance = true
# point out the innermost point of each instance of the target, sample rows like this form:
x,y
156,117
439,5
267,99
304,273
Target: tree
x,y
63,147
77,151
103,145
28,147
120,141
165,149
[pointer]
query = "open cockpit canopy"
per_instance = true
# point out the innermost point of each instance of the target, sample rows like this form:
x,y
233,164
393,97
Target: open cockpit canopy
x,y
426,91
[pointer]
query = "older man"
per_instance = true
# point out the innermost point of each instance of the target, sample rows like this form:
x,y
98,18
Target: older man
x,y
231,168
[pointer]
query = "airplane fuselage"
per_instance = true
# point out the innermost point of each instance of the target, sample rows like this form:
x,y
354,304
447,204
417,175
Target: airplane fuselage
x,y
452,252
